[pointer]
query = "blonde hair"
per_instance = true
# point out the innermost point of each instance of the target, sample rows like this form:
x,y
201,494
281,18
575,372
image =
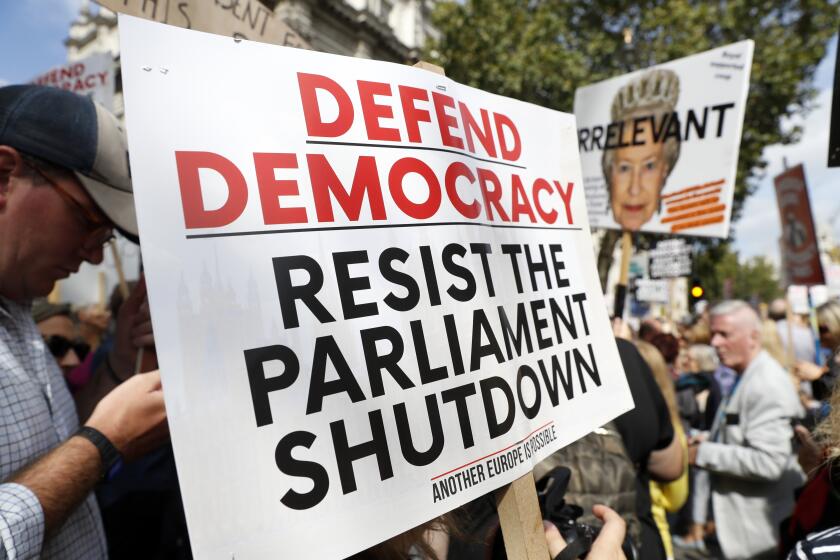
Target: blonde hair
x,y
828,314
827,432
654,359
699,333
704,356
771,341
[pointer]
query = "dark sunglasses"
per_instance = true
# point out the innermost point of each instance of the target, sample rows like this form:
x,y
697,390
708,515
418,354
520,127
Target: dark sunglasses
x,y
823,329
59,346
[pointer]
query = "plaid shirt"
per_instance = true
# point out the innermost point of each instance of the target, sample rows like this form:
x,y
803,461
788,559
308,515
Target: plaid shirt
x,y
36,414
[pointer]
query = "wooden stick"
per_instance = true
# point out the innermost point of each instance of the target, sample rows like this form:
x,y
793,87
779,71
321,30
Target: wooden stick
x,y
521,521
430,67
55,294
103,293
791,360
118,265
623,276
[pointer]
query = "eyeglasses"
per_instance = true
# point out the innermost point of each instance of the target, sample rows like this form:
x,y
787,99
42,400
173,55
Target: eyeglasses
x,y
99,230
59,346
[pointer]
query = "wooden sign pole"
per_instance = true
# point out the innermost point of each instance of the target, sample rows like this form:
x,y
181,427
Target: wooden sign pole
x,y
517,504
521,520
791,360
119,268
624,274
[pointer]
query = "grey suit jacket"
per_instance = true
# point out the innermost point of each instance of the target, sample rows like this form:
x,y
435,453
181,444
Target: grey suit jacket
x,y
750,457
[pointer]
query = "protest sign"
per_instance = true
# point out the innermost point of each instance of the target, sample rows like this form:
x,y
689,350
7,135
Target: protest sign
x,y
92,76
659,147
241,19
652,291
833,279
801,253
797,297
670,258
373,289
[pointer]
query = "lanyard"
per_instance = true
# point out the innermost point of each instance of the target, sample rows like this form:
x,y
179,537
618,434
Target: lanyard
x,y
720,421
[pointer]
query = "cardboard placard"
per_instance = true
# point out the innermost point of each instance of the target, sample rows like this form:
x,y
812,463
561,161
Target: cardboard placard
x,y
241,19
801,254
659,147
92,76
670,258
372,287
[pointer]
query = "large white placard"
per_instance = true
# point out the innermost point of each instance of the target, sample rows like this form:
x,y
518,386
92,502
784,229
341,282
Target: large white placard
x,y
373,289
659,147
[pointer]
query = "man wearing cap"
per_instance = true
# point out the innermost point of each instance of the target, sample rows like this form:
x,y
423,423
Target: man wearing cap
x,y
64,185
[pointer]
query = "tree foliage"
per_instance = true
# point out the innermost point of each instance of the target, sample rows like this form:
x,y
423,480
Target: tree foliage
x,y
723,276
542,50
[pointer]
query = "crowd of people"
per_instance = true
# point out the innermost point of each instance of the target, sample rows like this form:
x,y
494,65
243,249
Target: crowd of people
x,y
731,450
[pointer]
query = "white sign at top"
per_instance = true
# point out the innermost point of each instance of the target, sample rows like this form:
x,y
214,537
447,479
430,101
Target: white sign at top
x,y
372,288
659,147
670,258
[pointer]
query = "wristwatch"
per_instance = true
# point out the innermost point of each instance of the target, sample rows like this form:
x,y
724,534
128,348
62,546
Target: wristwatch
x,y
111,457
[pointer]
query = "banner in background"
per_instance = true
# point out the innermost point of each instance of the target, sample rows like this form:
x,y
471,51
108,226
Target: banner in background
x,y
801,255
652,291
92,76
241,19
670,258
659,147
373,289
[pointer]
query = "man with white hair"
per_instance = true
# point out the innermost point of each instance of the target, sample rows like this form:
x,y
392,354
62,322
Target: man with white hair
x,y
749,451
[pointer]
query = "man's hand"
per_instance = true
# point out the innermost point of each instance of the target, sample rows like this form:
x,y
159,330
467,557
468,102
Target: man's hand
x,y
621,329
133,416
694,446
608,544
692,453
134,331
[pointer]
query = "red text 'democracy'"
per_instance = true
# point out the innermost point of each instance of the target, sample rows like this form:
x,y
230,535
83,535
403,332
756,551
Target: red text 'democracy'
x,y
466,160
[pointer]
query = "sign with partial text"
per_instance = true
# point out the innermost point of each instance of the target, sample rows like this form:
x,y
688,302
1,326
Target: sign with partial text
x,y
659,147
240,19
801,253
670,258
92,76
372,287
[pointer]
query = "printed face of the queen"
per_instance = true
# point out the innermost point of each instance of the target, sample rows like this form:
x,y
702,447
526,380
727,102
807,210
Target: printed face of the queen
x,y
637,176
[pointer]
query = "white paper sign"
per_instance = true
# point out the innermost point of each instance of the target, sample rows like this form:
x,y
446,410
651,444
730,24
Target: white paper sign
x,y
92,76
659,147
372,288
670,258
652,291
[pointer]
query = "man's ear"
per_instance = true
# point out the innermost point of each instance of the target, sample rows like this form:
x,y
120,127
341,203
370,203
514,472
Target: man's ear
x,y
10,165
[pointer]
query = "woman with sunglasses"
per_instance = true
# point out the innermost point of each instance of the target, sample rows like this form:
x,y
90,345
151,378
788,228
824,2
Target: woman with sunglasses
x,y
823,378
60,333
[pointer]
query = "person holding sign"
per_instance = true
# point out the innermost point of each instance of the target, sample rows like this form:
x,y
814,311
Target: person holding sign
x,y
64,185
639,156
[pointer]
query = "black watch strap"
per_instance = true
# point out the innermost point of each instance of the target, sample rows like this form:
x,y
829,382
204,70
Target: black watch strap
x,y
108,453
